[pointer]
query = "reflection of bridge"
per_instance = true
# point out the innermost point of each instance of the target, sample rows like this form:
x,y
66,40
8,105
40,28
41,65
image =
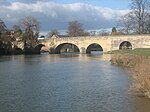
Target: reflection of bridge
x,y
106,43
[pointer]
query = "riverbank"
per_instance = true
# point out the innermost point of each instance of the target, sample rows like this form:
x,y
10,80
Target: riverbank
x,y
26,51
138,61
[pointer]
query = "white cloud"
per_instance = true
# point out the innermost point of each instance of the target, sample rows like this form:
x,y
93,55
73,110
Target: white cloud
x,y
56,16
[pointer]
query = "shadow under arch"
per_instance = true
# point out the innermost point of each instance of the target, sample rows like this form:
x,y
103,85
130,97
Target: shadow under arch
x,y
39,46
125,45
17,51
94,48
35,50
66,48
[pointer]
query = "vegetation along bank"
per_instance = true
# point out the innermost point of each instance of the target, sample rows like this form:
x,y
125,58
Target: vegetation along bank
x,y
138,60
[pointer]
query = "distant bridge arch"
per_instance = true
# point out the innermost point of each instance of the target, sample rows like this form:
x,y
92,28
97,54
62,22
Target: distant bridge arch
x,y
66,47
125,45
94,47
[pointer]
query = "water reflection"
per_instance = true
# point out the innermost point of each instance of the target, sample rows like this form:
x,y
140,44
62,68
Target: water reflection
x,y
65,83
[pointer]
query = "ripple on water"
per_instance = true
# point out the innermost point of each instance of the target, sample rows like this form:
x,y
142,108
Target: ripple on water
x,y
58,83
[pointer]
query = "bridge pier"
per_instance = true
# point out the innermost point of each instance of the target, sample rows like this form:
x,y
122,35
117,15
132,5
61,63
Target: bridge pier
x,y
82,50
51,51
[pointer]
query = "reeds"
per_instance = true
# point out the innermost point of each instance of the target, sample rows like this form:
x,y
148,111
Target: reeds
x,y
140,67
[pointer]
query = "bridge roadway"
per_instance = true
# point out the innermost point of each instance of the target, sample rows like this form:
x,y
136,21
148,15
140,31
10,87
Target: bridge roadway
x,y
107,43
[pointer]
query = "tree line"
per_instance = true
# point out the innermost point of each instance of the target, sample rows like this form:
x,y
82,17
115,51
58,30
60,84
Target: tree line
x,y
26,33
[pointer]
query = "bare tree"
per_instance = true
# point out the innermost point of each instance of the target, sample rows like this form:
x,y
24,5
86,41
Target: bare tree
x,y
30,27
93,33
147,25
52,32
136,20
2,26
75,29
17,31
126,23
103,32
5,39
139,9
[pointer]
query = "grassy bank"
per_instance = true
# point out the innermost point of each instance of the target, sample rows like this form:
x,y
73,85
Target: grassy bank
x,y
138,52
138,61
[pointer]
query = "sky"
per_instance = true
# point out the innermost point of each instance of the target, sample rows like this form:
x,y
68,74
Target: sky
x,y
56,14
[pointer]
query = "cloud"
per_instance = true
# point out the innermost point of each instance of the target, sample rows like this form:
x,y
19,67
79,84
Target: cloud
x,y
54,15
33,1
4,2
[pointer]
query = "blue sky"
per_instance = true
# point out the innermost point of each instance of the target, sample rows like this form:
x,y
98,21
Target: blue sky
x,y
55,14
114,4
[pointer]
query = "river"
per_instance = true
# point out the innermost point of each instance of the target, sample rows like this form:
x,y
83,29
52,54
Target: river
x,y
66,83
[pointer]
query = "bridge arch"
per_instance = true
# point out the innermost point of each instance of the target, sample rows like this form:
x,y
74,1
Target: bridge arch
x,y
125,45
66,48
39,46
94,47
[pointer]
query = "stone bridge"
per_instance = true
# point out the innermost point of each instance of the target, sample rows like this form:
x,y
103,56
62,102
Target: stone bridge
x,y
106,43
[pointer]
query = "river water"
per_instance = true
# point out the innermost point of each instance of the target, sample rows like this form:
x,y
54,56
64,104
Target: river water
x,y
66,83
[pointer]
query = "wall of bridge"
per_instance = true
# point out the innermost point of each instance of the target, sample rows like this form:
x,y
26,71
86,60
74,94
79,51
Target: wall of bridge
x,y
108,43
137,41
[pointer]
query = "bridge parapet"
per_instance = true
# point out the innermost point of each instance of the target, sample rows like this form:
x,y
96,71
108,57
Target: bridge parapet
x,y
108,43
